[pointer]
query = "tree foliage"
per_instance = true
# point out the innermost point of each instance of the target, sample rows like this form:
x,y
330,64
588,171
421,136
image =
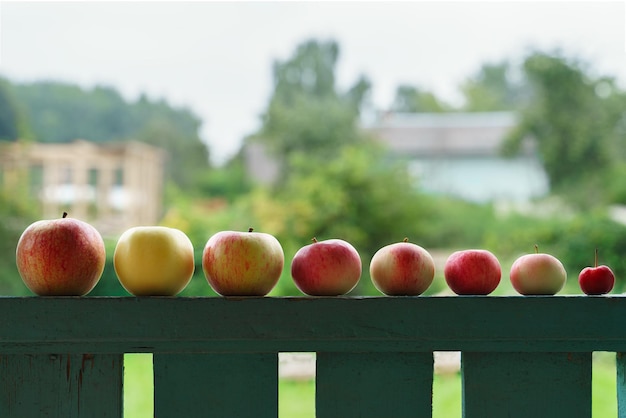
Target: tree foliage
x,y
573,119
13,123
494,88
15,216
411,99
61,112
306,113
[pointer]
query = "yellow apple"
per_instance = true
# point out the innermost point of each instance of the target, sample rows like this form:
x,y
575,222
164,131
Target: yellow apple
x,y
154,260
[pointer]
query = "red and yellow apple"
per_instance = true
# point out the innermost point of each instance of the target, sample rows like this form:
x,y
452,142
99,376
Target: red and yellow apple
x,y
596,280
63,257
239,263
154,260
326,268
402,269
472,272
538,274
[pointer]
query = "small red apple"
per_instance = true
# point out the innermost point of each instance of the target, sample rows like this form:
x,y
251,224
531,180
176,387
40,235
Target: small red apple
x,y
538,274
402,269
472,272
326,268
61,257
238,263
596,280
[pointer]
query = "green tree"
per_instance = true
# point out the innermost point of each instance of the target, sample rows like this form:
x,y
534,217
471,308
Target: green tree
x,y
13,122
411,99
306,114
573,124
187,159
63,112
494,88
16,213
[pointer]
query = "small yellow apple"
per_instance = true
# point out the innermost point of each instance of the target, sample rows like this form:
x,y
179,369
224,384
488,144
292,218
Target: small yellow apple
x,y
154,260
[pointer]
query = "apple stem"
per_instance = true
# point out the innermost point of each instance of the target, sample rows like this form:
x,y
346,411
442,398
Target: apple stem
x,y
250,229
596,258
64,214
314,240
406,239
536,249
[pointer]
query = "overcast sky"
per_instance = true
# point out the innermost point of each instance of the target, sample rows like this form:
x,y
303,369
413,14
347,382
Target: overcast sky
x,y
216,58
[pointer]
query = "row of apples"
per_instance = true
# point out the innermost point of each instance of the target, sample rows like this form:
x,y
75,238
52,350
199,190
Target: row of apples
x,y
66,257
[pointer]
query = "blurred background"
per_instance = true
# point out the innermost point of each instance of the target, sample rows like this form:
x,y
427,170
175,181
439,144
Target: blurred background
x,y
494,125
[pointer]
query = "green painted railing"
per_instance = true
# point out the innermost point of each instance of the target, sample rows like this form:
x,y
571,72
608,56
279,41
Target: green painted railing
x,y
218,357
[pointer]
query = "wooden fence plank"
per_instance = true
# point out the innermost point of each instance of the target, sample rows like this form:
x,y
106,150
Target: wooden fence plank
x,y
216,385
377,385
61,385
522,385
339,324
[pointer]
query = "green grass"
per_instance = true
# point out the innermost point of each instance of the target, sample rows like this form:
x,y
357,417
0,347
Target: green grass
x,y
138,386
297,398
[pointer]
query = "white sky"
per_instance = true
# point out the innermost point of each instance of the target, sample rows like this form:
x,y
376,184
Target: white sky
x,y
216,58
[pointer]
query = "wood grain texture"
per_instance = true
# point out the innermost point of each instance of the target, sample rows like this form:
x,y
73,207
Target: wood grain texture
x,y
61,385
523,385
520,354
370,385
216,385
377,324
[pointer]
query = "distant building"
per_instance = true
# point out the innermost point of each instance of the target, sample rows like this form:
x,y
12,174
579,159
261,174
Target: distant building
x,y
455,154
260,165
112,186
459,154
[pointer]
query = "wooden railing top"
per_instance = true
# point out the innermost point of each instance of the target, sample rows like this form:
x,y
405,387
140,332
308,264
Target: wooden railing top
x,y
337,324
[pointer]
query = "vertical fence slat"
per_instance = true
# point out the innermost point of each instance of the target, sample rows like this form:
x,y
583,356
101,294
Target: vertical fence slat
x,y
373,385
61,385
216,385
526,385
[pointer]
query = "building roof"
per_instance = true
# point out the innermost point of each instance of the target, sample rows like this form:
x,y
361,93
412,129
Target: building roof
x,y
444,134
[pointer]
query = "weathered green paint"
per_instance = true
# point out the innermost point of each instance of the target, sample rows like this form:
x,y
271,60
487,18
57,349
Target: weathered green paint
x,y
217,385
523,385
362,385
376,324
522,356
61,385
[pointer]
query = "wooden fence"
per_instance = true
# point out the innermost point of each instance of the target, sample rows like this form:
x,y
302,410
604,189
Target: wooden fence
x,y
218,357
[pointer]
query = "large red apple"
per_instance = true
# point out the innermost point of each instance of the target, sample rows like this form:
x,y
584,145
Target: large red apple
x,y
242,263
326,268
472,272
60,257
538,274
402,269
154,260
596,280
